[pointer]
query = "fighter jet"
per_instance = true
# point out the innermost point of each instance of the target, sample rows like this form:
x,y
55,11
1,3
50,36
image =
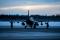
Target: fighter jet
x,y
30,22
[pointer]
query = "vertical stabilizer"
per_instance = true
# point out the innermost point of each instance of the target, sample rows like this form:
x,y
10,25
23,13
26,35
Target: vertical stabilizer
x,y
28,14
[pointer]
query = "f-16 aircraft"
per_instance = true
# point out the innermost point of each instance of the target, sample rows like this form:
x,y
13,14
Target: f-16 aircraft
x,y
29,21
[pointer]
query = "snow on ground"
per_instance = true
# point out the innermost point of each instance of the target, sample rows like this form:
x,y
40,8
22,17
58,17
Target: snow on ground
x,y
29,35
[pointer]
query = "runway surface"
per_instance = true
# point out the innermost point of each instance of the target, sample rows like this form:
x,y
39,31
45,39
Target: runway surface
x,y
21,33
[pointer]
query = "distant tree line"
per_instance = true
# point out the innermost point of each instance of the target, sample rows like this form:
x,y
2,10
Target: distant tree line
x,y
25,17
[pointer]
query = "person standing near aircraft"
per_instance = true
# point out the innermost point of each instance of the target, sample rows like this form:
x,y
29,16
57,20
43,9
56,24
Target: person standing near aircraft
x,y
47,25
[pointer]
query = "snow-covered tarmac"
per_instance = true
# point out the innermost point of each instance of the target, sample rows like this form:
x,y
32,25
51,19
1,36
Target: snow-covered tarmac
x,y
29,35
